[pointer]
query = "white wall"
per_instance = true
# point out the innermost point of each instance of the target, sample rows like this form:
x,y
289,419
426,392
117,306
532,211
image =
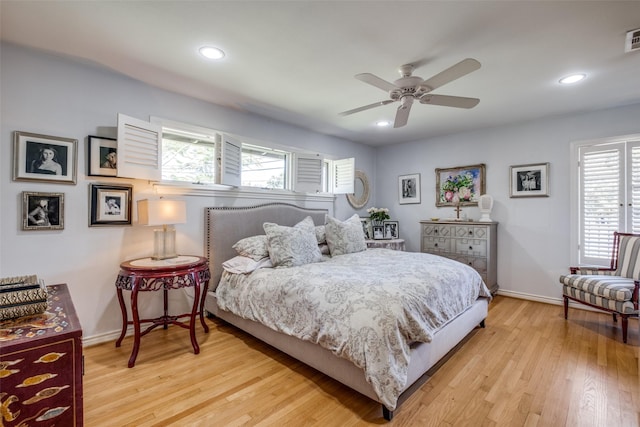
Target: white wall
x,y
57,96
533,233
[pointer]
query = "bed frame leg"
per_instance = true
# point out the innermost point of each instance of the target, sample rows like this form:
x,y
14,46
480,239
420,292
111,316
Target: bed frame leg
x,y
482,325
387,414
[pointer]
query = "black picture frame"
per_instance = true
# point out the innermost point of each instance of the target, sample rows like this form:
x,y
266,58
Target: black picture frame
x,y
102,156
409,189
531,180
42,211
378,232
44,158
109,205
391,230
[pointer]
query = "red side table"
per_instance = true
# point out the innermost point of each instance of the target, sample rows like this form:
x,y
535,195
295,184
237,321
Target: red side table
x,y
146,274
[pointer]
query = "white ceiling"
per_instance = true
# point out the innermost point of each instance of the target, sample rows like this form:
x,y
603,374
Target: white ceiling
x,y
295,60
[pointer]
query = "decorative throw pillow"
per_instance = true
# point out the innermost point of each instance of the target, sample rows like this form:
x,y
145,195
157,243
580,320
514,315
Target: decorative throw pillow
x,y
345,237
254,247
321,234
292,246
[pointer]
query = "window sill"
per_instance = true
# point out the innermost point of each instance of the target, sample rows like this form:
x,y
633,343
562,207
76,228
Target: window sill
x,y
216,190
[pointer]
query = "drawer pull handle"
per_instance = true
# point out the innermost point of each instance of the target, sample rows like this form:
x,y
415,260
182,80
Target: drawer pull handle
x,y
470,232
435,231
470,248
436,245
470,263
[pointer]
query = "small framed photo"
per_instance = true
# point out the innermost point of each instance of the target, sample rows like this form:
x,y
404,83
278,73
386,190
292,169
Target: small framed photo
x,y
109,204
409,188
529,180
44,158
42,211
103,156
378,232
391,230
366,228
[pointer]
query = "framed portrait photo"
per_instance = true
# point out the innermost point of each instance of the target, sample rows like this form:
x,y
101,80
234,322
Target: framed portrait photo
x,y
109,204
102,156
391,230
44,158
529,180
409,188
460,186
366,227
42,211
378,232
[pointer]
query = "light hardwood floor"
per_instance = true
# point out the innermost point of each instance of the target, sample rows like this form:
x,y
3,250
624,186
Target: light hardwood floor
x,y
528,367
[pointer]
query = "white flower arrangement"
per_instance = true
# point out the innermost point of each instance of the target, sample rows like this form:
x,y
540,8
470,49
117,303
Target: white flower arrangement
x,y
378,215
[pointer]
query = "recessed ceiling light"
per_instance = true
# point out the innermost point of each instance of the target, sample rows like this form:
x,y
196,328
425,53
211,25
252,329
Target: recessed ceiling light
x,y
211,52
573,78
383,123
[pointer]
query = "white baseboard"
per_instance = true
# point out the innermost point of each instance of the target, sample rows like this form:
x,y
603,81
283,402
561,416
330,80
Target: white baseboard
x,y
546,300
104,337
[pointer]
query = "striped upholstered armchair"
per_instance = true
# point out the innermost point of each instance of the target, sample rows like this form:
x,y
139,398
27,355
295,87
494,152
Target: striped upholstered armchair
x,y
613,289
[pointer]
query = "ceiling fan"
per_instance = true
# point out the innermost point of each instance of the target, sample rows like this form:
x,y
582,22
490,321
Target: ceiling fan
x,y
409,88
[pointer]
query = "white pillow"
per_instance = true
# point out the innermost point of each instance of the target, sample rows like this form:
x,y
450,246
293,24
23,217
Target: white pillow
x,y
254,247
292,246
244,265
345,237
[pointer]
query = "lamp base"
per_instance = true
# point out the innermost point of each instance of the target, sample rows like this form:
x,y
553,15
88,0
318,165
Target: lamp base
x,y
164,244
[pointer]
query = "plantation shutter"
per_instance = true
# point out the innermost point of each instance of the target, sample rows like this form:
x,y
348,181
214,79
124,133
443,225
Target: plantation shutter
x,y
307,176
600,200
139,149
344,175
231,161
609,197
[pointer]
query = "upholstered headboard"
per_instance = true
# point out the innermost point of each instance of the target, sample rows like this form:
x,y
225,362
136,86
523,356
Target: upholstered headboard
x,y
225,226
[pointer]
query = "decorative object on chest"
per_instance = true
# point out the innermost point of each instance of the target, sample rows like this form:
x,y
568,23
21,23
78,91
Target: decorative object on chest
x,y
471,243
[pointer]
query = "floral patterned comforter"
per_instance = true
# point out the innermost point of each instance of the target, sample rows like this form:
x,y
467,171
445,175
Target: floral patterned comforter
x,y
367,307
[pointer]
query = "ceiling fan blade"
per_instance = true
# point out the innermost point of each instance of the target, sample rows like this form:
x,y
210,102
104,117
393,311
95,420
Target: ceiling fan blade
x,y
376,81
367,107
449,101
452,73
402,115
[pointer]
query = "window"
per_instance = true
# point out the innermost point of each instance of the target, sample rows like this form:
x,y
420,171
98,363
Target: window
x,y
199,155
608,195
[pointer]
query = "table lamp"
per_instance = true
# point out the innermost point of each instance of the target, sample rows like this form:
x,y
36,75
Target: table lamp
x,y
165,213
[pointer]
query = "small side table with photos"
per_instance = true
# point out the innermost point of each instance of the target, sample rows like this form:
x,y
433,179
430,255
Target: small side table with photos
x,y
41,365
148,275
395,244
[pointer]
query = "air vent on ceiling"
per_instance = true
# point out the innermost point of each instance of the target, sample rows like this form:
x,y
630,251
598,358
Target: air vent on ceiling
x,y
633,41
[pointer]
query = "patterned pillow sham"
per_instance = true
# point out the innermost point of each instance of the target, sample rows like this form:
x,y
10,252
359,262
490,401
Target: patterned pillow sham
x,y
292,246
254,247
321,234
345,237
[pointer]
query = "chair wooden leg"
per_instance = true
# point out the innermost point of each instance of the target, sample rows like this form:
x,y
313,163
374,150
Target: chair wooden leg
x,y
625,325
615,318
566,307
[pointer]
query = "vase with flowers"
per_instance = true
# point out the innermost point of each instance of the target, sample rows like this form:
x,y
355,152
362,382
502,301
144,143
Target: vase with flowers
x,y
378,215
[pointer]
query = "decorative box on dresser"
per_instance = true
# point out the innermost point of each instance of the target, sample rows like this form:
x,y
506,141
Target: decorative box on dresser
x,y
41,365
473,243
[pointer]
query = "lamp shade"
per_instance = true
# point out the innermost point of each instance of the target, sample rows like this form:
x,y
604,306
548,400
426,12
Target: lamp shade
x,y
161,212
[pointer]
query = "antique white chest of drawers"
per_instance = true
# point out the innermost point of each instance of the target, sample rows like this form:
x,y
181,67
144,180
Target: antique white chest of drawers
x,y
472,243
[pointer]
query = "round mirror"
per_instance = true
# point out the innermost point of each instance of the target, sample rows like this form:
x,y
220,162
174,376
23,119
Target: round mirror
x,y
360,197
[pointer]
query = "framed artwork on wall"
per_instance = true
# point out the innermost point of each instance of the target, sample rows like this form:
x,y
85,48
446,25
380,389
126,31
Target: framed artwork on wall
x,y
102,156
530,180
460,186
42,211
109,204
409,188
44,158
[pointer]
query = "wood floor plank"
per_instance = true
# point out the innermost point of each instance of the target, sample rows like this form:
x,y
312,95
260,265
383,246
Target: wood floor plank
x,y
528,367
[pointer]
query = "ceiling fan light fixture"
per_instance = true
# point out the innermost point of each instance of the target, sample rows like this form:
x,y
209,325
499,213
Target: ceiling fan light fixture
x,y
211,52
573,78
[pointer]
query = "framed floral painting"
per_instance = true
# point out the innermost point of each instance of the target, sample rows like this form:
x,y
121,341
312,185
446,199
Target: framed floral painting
x,y
460,186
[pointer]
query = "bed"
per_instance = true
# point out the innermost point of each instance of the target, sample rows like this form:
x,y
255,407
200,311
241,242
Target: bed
x,y
389,385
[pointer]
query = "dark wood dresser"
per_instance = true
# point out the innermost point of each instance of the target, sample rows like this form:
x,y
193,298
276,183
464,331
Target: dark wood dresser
x,y
41,365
